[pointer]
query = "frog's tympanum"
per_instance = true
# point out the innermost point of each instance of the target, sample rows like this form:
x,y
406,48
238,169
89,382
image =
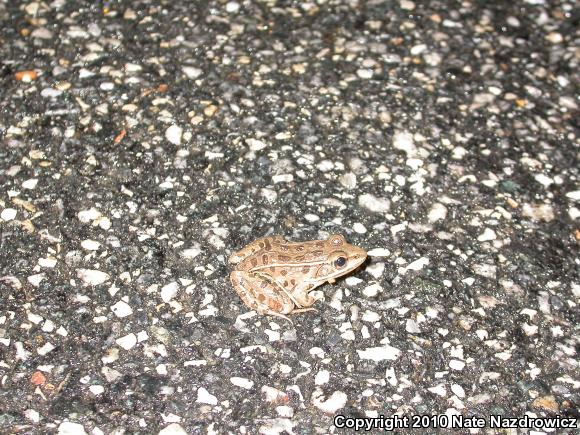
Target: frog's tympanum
x,y
274,276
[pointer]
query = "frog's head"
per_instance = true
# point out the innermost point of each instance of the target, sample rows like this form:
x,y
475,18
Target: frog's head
x,y
342,258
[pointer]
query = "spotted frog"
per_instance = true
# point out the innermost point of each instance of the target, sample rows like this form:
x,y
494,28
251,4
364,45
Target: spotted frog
x,y
274,276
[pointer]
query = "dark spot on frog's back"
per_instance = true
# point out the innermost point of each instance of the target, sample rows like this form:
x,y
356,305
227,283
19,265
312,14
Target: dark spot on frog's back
x,y
283,257
320,244
283,272
267,245
254,262
264,259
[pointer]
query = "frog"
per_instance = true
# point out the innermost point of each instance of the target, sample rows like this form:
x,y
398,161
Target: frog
x,y
276,277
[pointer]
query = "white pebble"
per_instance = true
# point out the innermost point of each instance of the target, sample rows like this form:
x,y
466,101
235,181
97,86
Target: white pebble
x,y
30,184
32,415
92,277
282,178
121,309
90,245
487,235
348,180
70,428
8,214
374,204
403,141
458,390
43,350
440,390
86,216
322,377
407,5
575,195
418,264
190,253
352,280
203,396
381,353
370,316
438,212
272,335
49,262
372,290
325,166
127,342
335,402
173,429
379,252
173,134
364,73
359,228
255,144
35,280
376,269
242,382
455,364
285,411
192,72
97,389
169,291
412,327
232,7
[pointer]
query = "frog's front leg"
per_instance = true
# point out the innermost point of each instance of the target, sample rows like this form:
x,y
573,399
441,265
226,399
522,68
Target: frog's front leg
x,y
303,299
262,294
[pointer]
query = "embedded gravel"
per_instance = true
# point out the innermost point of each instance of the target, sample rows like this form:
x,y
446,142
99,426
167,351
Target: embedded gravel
x,y
141,142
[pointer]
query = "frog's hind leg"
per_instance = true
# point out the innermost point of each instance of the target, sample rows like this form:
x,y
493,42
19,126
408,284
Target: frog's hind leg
x,y
261,295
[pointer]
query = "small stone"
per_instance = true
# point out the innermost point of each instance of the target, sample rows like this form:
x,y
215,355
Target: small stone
x,y
30,184
374,204
32,415
26,76
438,212
86,216
97,389
381,353
403,141
538,212
365,73
407,5
8,214
92,277
282,178
555,37
169,291
359,228
379,252
70,428
322,377
232,7
173,429
90,245
192,72
173,134
372,290
242,382
458,390
487,235
43,350
255,144
455,364
335,402
412,327
190,253
203,396
376,269
440,390
347,180
127,342
547,403
121,309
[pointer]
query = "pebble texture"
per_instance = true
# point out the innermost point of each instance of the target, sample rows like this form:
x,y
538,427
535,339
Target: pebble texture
x,y
142,142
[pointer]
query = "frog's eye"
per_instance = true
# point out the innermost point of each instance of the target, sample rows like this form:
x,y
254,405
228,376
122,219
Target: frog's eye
x,y
340,262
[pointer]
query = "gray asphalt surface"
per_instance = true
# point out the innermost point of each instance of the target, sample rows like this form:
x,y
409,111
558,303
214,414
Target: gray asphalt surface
x,y
142,142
